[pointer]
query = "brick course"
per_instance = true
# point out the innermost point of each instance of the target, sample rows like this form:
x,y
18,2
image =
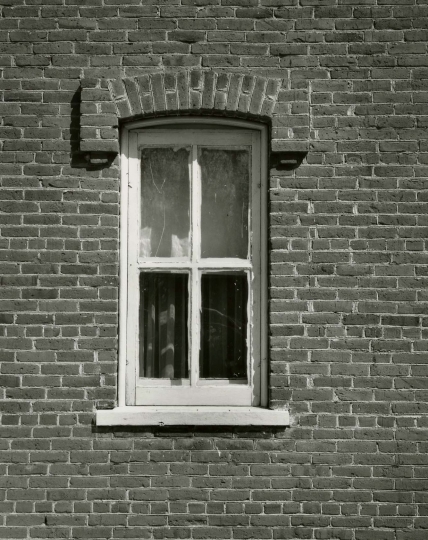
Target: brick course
x,y
349,267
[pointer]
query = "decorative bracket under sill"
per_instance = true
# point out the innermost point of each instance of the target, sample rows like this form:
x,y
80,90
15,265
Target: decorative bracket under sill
x,y
99,159
285,160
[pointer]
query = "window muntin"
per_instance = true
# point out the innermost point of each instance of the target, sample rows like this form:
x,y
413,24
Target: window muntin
x,y
176,228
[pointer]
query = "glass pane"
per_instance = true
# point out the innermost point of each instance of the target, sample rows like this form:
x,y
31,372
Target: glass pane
x,y
165,202
223,352
163,325
225,196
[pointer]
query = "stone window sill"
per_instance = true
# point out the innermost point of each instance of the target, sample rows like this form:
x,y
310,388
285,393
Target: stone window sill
x,y
192,416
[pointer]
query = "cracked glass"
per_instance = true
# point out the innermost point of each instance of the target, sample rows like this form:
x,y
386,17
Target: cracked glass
x,y
165,202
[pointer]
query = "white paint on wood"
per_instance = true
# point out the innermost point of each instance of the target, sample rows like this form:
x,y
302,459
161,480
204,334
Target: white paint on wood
x,y
226,394
194,395
195,285
133,271
264,263
194,121
192,416
123,271
180,138
166,383
214,264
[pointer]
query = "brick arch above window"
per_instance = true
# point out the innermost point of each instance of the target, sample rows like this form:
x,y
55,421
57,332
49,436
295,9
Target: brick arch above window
x,y
107,102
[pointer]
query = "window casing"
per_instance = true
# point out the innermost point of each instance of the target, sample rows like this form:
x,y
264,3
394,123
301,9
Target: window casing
x,y
251,411
128,411
152,260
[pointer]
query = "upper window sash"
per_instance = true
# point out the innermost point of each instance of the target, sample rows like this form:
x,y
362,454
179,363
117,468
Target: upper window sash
x,y
195,140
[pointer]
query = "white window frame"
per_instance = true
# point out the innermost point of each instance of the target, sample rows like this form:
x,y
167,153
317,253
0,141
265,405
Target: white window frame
x,y
194,391
248,405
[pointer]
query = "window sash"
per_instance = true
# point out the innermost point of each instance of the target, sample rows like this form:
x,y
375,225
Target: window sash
x,y
196,391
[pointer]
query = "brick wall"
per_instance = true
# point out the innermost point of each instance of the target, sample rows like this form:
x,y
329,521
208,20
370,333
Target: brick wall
x,y
349,310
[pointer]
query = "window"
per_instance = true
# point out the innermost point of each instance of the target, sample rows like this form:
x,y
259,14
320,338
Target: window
x,y
193,274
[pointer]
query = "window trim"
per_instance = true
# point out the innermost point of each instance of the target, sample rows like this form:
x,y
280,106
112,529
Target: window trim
x,y
125,414
149,392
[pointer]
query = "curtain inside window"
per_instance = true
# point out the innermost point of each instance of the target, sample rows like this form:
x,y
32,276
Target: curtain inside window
x,y
223,353
163,325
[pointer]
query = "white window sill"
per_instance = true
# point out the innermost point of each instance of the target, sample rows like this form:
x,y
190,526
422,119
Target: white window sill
x,y
192,416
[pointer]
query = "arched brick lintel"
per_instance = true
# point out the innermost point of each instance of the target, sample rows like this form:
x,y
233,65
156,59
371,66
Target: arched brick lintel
x,y
105,103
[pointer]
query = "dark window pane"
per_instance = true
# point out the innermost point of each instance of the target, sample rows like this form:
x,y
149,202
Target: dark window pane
x,y
165,202
225,197
223,352
163,325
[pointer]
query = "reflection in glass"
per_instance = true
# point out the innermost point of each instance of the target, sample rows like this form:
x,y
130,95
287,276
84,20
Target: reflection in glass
x,y
165,202
223,353
163,325
225,199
